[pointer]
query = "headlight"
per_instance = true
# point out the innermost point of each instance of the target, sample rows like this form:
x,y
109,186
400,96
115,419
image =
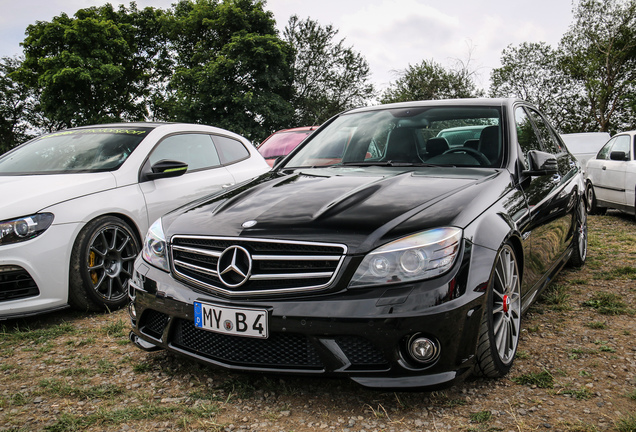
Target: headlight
x,y
416,257
155,247
25,228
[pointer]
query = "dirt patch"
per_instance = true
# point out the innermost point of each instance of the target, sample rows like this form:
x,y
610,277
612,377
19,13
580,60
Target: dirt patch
x,y
575,371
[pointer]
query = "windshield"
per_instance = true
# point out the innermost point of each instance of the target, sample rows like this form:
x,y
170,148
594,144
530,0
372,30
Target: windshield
x,y
457,136
282,143
74,150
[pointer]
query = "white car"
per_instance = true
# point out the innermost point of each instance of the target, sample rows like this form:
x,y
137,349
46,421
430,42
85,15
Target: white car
x,y
611,176
76,204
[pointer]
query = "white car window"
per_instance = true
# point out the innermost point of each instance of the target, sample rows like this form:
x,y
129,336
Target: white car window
x,y
230,150
197,150
622,144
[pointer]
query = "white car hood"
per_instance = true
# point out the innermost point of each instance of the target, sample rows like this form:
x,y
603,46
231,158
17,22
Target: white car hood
x,y
25,195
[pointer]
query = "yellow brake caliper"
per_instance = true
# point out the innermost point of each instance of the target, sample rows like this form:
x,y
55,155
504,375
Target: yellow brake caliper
x,y
91,263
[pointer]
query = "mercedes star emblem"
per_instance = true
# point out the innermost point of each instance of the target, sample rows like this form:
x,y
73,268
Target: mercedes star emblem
x,y
235,266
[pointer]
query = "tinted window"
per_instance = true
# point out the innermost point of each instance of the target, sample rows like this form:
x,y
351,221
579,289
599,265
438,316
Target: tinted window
x,y
197,150
75,150
230,150
526,134
550,142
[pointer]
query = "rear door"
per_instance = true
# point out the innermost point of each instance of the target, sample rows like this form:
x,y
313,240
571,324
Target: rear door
x,y
550,197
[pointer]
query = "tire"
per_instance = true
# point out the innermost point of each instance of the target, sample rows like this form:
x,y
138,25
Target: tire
x,y
590,198
101,265
579,239
501,323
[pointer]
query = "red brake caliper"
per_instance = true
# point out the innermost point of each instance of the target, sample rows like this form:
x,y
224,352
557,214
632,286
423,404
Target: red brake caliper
x,y
506,303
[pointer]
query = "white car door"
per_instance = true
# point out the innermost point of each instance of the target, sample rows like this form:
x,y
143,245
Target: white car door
x,y
205,174
607,175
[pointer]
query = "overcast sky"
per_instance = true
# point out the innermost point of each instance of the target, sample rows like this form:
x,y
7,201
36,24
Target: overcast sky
x,y
390,34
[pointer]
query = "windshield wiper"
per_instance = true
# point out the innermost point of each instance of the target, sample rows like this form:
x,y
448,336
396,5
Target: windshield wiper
x,y
388,163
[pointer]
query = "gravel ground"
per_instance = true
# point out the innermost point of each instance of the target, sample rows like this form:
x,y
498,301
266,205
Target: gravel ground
x,y
575,371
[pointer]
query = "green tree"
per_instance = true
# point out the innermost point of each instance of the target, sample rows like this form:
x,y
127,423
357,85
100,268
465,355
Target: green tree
x,y
329,77
532,72
17,106
599,52
230,68
95,67
430,80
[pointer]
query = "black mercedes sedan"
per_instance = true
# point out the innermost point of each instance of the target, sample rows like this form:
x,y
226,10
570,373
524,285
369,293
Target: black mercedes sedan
x,y
377,250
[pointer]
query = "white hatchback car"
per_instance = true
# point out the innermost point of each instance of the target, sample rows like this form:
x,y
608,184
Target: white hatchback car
x,y
611,176
76,204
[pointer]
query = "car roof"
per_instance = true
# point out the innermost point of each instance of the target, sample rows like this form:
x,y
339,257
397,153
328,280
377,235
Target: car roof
x,y
442,102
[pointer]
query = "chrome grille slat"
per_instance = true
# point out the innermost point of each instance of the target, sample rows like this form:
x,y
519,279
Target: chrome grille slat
x,y
276,266
294,258
290,276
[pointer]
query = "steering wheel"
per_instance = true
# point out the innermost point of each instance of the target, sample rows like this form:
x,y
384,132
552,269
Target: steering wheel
x,y
481,158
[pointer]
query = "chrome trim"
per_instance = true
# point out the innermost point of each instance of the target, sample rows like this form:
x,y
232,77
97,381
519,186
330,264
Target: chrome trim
x,y
285,256
291,276
197,250
295,258
197,268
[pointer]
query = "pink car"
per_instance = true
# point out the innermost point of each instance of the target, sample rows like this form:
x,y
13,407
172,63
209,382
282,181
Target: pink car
x,y
282,142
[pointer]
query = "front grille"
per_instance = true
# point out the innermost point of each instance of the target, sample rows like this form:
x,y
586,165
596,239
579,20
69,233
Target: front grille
x,y
153,323
280,350
276,266
361,352
16,283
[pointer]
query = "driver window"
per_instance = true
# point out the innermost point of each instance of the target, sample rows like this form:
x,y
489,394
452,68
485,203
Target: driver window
x,y
526,135
197,150
622,144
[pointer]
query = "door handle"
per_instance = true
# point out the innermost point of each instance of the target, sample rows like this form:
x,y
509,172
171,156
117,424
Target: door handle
x,y
227,185
604,168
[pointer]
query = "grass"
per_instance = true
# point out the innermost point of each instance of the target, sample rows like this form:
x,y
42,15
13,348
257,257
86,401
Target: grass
x,y
480,417
556,298
608,304
627,423
543,379
580,394
56,387
596,325
39,336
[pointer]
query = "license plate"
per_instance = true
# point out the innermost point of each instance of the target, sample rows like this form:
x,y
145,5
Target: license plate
x,y
231,320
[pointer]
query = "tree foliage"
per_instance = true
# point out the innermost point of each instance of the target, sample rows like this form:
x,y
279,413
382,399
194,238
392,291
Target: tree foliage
x,y
16,105
532,72
94,67
230,68
599,52
329,77
430,80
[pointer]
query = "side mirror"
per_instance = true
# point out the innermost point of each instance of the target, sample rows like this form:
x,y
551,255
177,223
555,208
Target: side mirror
x,y
166,168
618,156
541,163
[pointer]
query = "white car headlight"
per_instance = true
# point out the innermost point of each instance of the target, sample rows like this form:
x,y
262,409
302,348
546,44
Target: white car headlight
x,y
416,257
155,250
24,228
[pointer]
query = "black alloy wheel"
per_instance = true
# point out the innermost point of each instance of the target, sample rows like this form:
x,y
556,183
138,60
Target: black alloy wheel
x,y
102,264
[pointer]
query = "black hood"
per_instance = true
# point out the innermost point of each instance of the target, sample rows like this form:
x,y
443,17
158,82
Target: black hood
x,y
360,207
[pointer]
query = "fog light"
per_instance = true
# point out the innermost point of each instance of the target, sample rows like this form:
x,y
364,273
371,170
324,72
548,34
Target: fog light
x,y
132,311
423,349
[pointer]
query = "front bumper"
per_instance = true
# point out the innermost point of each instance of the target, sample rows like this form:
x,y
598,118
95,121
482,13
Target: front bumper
x,y
34,274
359,333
